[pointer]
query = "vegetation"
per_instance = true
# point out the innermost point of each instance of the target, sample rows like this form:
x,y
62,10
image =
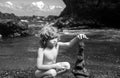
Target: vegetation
x,y
12,28
17,26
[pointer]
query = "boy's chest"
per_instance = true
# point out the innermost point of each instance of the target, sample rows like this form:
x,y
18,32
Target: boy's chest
x,y
50,55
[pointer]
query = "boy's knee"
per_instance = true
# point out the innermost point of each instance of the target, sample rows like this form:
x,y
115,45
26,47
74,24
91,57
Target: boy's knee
x,y
38,73
52,72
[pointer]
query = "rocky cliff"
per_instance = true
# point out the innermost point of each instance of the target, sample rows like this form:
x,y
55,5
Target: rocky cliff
x,y
100,12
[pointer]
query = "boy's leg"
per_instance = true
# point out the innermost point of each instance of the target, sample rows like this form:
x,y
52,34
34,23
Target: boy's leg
x,y
41,74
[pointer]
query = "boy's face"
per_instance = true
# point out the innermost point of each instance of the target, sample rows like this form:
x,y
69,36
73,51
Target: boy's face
x,y
51,43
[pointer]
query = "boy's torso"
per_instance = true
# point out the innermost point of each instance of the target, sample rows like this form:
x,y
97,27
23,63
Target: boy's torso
x,y
50,55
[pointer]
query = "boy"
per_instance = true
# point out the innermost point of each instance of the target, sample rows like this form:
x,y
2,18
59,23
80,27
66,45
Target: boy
x,y
48,51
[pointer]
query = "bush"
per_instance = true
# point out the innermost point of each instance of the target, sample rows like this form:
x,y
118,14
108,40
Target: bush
x,y
11,28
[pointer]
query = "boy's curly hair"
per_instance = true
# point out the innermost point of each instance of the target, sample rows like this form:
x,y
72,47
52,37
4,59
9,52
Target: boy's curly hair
x,y
47,33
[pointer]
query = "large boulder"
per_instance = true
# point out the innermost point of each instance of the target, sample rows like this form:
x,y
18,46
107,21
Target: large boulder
x,y
104,13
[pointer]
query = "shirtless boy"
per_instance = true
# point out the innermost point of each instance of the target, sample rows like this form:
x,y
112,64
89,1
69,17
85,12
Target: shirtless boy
x,y
48,51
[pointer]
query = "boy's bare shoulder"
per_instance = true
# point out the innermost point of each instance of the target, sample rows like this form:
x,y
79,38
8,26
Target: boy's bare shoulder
x,y
40,50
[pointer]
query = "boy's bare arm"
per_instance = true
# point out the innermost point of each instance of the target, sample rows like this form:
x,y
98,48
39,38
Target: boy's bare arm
x,y
74,41
70,43
50,66
45,67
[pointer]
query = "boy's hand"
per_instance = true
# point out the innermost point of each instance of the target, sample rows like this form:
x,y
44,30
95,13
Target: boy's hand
x,y
59,66
82,36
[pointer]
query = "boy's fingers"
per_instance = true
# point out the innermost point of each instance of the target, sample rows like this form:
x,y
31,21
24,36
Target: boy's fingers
x,y
81,36
86,37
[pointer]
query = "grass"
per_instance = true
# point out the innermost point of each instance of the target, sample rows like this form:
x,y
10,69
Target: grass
x,y
101,55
